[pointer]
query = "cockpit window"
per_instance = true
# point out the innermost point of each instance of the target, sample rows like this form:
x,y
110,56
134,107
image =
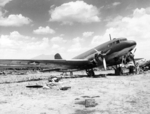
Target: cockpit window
x,y
117,41
123,39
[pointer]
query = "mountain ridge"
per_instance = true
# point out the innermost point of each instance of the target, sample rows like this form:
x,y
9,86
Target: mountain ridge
x,y
44,57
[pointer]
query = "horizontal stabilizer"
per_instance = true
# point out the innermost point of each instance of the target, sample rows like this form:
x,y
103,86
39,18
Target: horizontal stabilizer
x,y
57,56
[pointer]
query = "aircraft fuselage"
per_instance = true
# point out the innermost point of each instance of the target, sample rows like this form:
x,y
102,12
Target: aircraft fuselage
x,y
116,47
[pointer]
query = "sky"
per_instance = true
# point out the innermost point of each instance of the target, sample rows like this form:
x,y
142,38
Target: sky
x,y
29,28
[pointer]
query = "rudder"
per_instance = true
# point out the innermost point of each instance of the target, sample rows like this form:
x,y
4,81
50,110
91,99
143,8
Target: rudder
x,y
57,56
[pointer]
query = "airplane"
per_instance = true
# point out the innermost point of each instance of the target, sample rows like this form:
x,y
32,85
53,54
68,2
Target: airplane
x,y
144,65
111,53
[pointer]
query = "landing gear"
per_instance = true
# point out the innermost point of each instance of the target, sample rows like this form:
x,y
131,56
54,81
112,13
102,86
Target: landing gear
x,y
118,70
90,72
71,73
133,70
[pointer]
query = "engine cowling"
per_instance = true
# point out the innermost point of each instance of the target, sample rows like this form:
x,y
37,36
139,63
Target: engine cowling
x,y
127,58
98,59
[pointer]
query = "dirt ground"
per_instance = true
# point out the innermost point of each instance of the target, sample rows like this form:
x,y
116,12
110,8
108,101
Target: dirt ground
x,y
113,95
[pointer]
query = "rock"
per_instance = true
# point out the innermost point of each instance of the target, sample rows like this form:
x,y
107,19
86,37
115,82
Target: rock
x,y
90,103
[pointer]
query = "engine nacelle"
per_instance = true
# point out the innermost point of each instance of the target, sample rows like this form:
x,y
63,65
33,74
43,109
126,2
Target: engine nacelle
x,y
127,58
98,59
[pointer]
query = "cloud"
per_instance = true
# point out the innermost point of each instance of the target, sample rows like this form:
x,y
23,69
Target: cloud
x,y
134,27
17,41
58,40
55,46
116,3
99,39
77,46
14,20
4,2
42,30
78,11
77,40
14,40
38,45
20,46
113,5
95,40
87,34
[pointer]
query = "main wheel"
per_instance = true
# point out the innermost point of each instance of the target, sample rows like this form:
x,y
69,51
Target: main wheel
x,y
118,71
90,72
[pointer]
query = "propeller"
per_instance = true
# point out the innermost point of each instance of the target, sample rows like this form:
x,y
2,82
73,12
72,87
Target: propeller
x,y
99,56
104,63
134,60
134,50
110,36
130,56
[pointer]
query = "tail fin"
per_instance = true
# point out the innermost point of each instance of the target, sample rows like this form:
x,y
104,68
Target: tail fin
x,y
57,56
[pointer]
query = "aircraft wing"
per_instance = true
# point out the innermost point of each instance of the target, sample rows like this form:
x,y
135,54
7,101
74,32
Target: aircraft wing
x,y
53,65
137,59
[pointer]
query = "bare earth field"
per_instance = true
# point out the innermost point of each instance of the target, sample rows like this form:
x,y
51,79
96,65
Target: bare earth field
x,y
113,95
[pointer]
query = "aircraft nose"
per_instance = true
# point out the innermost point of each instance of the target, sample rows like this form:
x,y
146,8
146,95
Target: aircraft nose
x,y
131,43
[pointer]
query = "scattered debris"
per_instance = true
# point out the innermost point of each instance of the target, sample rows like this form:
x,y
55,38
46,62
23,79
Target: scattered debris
x,y
3,102
65,88
46,87
54,79
90,103
34,86
2,73
89,96
81,102
77,99
95,96
85,96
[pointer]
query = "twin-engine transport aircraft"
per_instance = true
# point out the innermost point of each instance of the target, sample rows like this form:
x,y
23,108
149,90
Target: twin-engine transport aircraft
x,y
111,53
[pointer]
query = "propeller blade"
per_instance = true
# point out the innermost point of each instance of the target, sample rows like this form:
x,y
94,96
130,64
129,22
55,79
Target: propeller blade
x,y
96,50
132,57
134,61
134,50
110,36
102,55
104,64
106,52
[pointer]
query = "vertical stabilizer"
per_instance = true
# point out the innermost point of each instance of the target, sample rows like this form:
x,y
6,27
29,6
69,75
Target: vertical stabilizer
x,y
57,56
